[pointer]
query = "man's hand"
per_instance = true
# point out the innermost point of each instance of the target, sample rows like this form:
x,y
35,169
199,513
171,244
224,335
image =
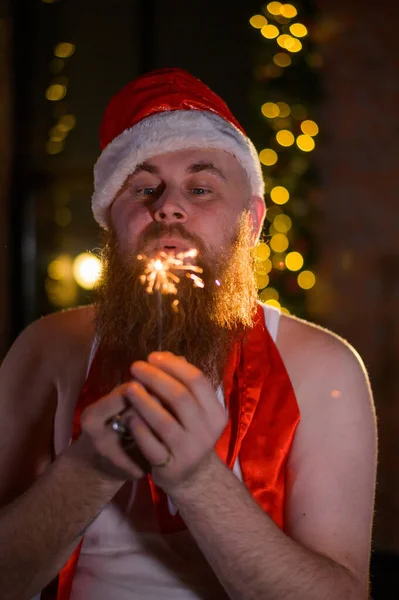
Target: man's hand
x,y
184,424
100,447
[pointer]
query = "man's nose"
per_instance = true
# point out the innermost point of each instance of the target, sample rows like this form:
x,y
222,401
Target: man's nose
x,y
169,209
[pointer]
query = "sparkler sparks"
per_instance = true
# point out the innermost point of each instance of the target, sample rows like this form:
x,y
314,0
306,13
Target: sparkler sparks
x,y
159,271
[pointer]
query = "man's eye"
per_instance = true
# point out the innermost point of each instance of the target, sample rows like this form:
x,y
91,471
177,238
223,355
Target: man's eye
x,y
146,191
198,191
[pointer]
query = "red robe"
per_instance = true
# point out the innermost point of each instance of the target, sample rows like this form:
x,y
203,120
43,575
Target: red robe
x,y
263,416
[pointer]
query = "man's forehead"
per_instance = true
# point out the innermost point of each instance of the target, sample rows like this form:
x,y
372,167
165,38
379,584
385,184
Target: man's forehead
x,y
218,162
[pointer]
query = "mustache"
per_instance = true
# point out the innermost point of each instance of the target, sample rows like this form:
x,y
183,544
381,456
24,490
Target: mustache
x,y
156,230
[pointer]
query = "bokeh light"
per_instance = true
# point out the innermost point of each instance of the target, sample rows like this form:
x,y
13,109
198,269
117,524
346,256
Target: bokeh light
x,y
295,46
86,270
284,109
294,261
288,10
261,281
269,294
282,223
280,195
298,30
64,50
285,138
309,127
305,143
56,92
270,110
274,8
66,123
282,59
268,157
261,251
306,280
53,147
270,31
258,21
279,242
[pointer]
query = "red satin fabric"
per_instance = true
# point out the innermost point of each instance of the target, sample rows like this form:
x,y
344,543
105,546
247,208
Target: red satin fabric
x,y
156,92
263,416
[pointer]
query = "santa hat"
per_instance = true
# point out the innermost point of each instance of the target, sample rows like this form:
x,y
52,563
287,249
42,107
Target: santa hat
x,y
165,111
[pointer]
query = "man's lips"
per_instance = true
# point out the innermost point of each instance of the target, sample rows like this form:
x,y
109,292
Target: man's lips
x,y
169,244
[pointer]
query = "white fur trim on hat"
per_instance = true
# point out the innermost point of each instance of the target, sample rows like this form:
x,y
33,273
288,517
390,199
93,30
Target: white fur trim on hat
x,y
168,132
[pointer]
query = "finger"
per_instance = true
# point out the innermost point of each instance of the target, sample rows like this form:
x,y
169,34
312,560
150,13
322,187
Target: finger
x,y
107,407
153,450
168,389
161,421
188,375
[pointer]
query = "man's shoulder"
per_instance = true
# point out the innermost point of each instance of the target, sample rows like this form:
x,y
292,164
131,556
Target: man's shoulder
x,y
57,336
316,356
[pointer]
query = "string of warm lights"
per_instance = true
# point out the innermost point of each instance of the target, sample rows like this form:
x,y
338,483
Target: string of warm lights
x,y
56,93
287,67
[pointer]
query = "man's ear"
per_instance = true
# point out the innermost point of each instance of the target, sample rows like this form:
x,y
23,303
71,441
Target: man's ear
x,y
257,210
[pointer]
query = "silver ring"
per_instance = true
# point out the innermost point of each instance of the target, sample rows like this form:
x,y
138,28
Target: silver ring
x,y
118,426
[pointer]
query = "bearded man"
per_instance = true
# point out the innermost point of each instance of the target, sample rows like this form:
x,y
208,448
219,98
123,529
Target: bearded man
x,y
199,445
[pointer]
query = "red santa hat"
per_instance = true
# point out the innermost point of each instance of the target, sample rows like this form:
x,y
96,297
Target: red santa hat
x,y
165,111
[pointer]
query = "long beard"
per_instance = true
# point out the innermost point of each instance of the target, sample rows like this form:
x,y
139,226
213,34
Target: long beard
x,y
131,323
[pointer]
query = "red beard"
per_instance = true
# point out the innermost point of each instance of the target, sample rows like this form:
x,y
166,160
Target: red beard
x,y
208,319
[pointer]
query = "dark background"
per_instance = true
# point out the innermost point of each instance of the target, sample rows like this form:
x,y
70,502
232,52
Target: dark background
x,y
357,160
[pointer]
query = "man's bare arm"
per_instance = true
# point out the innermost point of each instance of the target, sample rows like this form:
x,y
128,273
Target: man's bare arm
x,y
325,551
40,529
45,505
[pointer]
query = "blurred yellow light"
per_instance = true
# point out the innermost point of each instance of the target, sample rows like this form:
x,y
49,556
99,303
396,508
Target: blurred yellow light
x,y
279,242
294,261
270,110
280,195
66,123
57,135
270,31
273,303
56,92
53,147
282,223
305,143
63,216
282,59
296,46
306,280
269,294
299,111
60,267
264,267
285,310
286,41
309,128
261,251
274,8
289,11
64,50
258,21
86,270
284,109
285,138
268,157
298,30
261,281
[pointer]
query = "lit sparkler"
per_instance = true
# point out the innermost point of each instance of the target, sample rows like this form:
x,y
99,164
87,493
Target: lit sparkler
x,y
159,271
159,276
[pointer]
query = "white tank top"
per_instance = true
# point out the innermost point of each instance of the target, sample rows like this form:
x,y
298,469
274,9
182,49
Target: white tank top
x,y
124,557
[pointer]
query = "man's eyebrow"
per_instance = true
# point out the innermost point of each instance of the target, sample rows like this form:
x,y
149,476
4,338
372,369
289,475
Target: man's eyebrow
x,y
206,166
197,167
147,167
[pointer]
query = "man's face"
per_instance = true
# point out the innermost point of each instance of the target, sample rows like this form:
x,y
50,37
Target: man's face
x,y
205,191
